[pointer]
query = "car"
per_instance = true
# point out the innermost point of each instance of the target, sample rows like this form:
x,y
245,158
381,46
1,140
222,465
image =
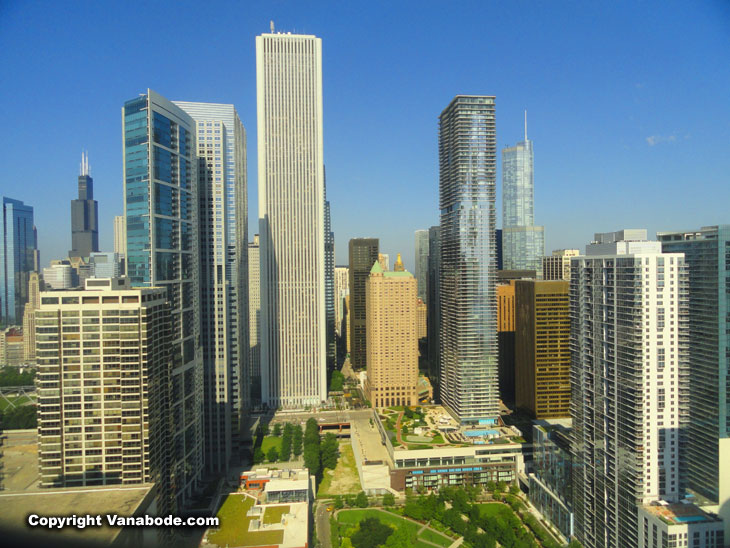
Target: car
x,y
329,508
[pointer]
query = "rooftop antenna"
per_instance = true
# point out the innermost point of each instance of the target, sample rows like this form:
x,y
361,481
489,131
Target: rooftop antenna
x,y
84,163
525,124
271,24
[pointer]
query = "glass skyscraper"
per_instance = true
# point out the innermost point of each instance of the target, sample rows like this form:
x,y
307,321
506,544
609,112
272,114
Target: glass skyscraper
x,y
468,306
523,244
329,283
17,252
223,244
421,259
161,207
707,448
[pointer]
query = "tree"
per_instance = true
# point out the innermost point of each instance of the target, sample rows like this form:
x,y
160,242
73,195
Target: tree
x,y
400,538
501,486
19,418
337,381
371,533
330,451
338,503
404,429
388,499
514,489
286,443
277,430
258,456
272,455
296,440
408,413
361,501
311,459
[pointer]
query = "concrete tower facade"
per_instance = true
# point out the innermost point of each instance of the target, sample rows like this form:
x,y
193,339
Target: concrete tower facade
x,y
291,219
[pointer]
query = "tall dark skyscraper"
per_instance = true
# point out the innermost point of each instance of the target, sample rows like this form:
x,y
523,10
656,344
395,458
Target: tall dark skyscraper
x,y
329,283
363,254
468,304
433,316
84,215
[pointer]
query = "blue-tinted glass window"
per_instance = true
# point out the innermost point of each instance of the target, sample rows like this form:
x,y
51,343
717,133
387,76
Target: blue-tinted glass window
x,y
161,129
163,165
165,265
163,233
163,199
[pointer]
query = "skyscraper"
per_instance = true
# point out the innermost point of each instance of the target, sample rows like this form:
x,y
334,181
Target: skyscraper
x,y
342,289
329,284
34,302
291,219
421,258
17,252
120,235
542,353
118,433
628,310
433,321
468,315
392,342
254,320
161,207
223,244
84,215
707,456
363,253
523,244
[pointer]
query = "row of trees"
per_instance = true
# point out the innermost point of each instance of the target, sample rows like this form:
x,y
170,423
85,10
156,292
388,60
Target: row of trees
x,y
319,454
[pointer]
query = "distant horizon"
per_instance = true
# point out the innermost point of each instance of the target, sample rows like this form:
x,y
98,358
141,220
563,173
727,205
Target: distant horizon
x,y
628,132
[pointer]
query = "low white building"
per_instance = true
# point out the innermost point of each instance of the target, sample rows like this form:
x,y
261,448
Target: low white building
x,y
679,525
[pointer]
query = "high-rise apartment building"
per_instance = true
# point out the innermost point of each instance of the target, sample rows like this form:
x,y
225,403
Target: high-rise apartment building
x,y
363,254
468,315
433,314
17,258
421,259
523,244
707,455
329,285
557,265
506,327
161,207
34,302
223,244
254,320
628,310
421,320
542,349
104,386
84,215
392,342
291,217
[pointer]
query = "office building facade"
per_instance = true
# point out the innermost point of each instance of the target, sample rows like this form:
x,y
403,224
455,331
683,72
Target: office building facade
x,y
329,285
433,314
392,341
105,265
291,217
102,403
342,289
34,302
421,259
542,349
84,215
523,243
254,320
17,258
506,340
628,310
161,207
557,265
363,253
707,455
468,315
223,239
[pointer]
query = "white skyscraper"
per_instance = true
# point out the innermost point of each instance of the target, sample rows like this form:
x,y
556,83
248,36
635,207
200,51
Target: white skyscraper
x,y
120,234
628,343
291,219
223,243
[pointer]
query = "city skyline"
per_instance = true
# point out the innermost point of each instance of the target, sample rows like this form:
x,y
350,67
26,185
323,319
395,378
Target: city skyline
x,y
629,135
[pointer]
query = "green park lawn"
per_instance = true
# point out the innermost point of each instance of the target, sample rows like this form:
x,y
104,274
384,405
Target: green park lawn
x,y
269,442
353,517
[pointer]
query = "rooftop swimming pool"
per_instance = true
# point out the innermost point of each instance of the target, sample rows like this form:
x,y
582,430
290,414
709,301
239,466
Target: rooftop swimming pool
x,y
480,433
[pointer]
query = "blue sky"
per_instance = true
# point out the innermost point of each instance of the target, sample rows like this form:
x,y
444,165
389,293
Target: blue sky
x,y
627,103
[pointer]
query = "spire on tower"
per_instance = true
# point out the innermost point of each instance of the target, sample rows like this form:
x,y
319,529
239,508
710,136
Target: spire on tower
x,y
84,163
525,124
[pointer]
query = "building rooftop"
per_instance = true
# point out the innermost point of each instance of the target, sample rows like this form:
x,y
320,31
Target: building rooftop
x,y
679,513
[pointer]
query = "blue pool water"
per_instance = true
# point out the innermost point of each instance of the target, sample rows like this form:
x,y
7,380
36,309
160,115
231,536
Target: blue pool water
x,y
688,519
480,433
